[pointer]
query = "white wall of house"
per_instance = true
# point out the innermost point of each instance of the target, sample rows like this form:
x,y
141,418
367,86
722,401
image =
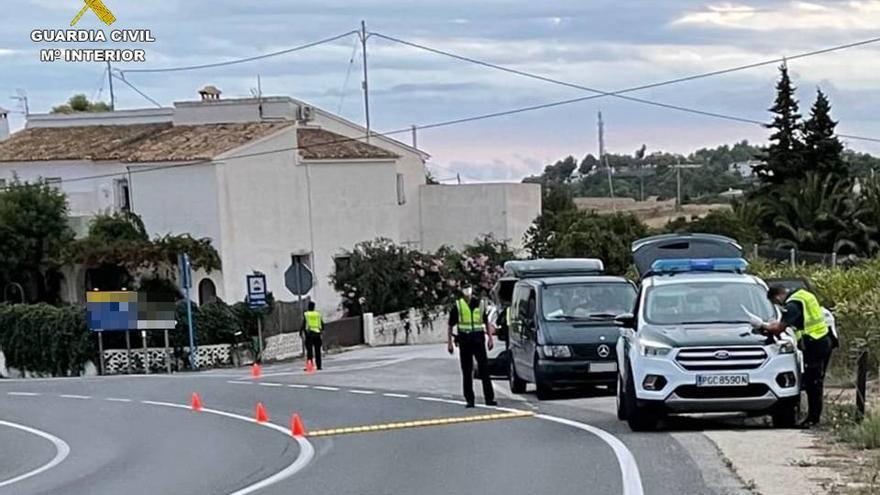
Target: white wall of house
x,y
455,215
351,202
118,117
263,212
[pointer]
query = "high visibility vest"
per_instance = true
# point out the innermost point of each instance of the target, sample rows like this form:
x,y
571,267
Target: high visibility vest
x,y
313,321
469,320
814,321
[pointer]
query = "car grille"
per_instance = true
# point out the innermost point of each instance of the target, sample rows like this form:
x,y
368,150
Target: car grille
x,y
721,358
591,352
695,392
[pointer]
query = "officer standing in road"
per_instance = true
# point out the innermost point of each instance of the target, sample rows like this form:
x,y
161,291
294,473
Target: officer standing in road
x,y
470,317
802,312
313,324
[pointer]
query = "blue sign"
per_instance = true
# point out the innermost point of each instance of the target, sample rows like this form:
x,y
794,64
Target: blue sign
x,y
257,291
185,271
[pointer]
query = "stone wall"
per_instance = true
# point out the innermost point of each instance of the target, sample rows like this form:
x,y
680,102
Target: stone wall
x,y
283,346
208,356
406,328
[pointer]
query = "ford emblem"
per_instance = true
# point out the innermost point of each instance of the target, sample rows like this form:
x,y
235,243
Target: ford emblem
x,y
722,354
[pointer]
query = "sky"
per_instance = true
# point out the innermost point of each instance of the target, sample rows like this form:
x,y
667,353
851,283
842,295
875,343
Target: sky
x,y
604,44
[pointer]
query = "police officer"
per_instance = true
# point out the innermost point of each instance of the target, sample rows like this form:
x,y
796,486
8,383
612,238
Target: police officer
x,y
802,311
313,325
469,316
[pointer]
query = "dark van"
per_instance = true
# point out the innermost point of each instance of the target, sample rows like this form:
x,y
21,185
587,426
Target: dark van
x,y
563,331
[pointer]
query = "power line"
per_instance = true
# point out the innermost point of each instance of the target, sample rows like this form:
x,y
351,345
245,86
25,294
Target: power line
x,y
101,81
121,77
622,93
347,76
245,60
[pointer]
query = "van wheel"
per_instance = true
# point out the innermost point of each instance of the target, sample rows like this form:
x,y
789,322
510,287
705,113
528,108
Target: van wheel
x,y
542,389
517,384
785,414
621,400
638,418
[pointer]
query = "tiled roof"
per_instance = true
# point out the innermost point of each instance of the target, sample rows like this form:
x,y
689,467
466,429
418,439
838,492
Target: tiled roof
x,y
319,144
132,143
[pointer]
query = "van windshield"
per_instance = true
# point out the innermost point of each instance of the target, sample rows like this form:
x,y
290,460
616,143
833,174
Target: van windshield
x,y
706,302
588,301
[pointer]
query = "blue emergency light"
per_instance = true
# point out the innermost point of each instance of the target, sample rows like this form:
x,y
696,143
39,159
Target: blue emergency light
x,y
669,266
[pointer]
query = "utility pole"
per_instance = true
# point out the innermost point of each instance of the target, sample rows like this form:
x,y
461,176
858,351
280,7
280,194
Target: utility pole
x,y
604,160
415,137
366,82
112,94
678,168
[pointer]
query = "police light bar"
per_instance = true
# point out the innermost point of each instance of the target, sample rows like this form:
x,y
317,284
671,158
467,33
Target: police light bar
x,y
736,265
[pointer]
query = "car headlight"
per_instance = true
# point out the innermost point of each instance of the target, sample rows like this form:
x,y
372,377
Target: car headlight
x,y
556,351
651,349
786,347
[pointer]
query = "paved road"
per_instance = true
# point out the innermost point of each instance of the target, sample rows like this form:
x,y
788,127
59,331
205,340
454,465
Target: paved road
x,y
125,435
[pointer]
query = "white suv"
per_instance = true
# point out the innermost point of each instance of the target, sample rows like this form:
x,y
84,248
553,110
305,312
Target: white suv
x,y
689,346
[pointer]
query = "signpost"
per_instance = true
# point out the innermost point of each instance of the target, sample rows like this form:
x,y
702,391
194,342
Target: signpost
x,y
299,281
256,298
186,284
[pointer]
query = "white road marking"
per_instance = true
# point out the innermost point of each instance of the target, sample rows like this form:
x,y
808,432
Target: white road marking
x,y
71,396
297,385
329,389
62,450
23,394
116,399
400,396
306,451
432,399
238,381
632,480
362,392
354,367
271,384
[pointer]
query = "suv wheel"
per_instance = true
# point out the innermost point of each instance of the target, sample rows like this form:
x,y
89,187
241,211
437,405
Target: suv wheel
x,y
517,384
785,414
621,400
638,418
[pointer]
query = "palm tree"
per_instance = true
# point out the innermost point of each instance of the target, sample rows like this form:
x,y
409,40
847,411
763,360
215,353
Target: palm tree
x,y
818,213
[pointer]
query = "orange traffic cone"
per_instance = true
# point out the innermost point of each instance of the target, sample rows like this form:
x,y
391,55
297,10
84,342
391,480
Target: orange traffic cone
x,y
262,417
196,402
310,366
296,426
256,370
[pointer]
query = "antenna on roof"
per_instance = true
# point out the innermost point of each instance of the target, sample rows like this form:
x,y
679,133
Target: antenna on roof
x,y
22,99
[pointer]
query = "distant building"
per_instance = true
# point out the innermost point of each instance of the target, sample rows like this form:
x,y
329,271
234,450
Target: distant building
x,y
264,178
745,169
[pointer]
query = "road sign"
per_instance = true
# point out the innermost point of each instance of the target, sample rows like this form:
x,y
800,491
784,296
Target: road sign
x,y
298,278
257,292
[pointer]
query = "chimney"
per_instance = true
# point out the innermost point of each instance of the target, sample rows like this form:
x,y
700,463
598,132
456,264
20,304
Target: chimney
x,y
210,93
4,124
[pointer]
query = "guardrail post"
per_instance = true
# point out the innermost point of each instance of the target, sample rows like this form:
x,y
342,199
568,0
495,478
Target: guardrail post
x,y
755,251
834,259
861,385
792,254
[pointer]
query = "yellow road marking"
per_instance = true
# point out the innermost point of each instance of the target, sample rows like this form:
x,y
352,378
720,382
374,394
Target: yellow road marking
x,y
420,423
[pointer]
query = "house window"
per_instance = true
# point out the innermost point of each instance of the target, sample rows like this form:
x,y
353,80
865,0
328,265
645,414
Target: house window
x,y
308,260
53,182
341,263
123,195
401,192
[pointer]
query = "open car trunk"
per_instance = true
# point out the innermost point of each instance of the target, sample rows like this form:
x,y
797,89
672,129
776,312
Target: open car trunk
x,y
679,246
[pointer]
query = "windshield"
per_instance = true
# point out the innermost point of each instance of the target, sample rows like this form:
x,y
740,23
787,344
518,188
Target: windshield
x,y
587,301
706,302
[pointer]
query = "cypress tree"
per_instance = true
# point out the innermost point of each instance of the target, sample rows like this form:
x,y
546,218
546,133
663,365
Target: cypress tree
x,y
784,156
824,151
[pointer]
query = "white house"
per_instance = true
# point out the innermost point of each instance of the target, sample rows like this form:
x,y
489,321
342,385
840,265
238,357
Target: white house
x,y
264,178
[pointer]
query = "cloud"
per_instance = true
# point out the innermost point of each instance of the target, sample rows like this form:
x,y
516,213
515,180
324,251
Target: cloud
x,y
4,52
846,16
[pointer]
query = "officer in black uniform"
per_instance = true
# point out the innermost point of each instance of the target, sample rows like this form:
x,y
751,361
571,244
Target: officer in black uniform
x,y
469,315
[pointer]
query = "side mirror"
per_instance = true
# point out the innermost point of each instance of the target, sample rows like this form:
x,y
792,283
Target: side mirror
x,y
627,320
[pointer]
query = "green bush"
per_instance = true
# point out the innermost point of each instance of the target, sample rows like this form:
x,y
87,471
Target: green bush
x,y
46,339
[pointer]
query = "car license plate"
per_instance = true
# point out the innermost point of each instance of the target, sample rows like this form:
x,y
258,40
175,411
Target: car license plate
x,y
603,367
738,380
